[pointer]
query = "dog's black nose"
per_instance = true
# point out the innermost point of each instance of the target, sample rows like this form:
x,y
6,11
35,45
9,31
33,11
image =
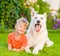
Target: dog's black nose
x,y
38,21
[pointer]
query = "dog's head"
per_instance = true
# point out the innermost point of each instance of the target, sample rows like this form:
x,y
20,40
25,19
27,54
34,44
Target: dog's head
x,y
38,21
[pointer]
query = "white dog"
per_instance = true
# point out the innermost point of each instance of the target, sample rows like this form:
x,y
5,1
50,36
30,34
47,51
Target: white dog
x,y
37,34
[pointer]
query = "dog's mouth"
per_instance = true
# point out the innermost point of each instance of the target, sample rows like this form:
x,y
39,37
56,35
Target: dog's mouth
x,y
37,27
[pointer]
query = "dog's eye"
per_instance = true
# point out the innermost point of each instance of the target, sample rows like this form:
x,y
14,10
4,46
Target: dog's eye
x,y
35,17
41,18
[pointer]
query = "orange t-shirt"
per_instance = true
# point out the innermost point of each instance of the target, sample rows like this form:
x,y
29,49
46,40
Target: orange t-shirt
x,y
17,44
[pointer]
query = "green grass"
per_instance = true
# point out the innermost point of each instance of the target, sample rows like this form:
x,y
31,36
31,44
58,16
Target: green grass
x,y
47,51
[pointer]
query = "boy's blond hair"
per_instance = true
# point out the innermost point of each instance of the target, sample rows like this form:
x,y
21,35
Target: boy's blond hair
x,y
23,20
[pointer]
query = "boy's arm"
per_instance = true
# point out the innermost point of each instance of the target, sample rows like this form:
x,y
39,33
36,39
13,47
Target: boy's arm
x,y
9,42
9,47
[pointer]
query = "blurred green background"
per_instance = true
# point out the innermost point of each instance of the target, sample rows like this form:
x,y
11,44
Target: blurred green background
x,y
11,10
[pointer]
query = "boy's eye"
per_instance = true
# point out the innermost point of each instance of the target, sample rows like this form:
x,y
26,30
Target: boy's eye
x,y
21,26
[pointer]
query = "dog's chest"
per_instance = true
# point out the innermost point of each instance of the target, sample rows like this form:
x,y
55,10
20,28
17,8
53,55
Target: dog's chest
x,y
37,38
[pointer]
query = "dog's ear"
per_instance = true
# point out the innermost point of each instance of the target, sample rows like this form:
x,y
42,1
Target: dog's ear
x,y
45,15
32,11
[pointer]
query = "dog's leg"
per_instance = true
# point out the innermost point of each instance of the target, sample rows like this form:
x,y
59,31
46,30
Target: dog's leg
x,y
27,49
35,50
48,42
38,47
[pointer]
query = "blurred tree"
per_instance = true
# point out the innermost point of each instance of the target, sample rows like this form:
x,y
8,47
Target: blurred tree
x,y
10,11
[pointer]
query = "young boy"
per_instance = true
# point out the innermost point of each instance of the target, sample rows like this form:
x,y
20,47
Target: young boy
x,y
17,40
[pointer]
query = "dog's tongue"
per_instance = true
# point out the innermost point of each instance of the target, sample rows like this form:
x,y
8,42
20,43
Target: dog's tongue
x,y
37,28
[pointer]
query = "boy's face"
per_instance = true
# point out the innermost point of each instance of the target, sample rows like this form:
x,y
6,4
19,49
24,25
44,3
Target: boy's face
x,y
21,28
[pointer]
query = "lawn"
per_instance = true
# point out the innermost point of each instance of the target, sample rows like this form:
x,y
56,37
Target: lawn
x,y
47,51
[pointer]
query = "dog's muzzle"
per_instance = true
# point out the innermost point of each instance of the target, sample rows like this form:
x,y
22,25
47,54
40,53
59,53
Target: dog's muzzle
x,y
37,27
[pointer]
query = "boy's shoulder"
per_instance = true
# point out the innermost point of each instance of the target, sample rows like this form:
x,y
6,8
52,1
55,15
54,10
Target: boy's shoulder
x,y
10,34
24,36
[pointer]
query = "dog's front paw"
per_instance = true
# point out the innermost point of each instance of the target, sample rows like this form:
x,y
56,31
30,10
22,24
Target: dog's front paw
x,y
50,44
35,51
28,50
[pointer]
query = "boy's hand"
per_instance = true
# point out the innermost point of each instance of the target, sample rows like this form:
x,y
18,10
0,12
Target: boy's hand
x,y
9,47
22,48
15,49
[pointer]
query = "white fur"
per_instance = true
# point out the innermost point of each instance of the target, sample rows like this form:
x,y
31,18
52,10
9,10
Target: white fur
x,y
37,40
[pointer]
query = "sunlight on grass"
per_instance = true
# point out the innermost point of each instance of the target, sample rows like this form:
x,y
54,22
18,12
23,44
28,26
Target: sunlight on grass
x,y
47,51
